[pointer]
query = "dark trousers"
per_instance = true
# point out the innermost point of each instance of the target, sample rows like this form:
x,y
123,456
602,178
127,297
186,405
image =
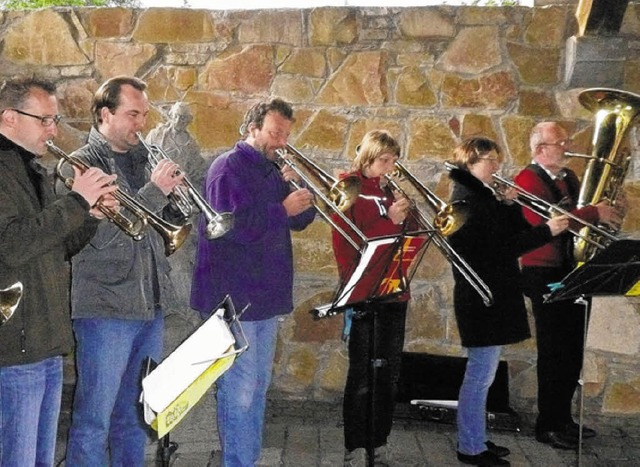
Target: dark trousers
x,y
560,344
389,341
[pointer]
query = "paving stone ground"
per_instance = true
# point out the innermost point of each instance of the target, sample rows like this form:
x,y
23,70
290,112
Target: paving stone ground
x,y
305,433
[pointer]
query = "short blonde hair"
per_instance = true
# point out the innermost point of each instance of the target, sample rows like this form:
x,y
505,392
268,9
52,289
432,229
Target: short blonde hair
x,y
374,144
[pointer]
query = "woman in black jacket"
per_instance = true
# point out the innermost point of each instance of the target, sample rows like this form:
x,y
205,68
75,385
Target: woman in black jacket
x,y
491,240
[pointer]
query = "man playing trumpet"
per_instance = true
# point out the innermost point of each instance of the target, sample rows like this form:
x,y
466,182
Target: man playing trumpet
x,y
37,234
117,288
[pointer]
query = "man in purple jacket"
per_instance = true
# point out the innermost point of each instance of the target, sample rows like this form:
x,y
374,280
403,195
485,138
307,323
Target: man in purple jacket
x,y
252,263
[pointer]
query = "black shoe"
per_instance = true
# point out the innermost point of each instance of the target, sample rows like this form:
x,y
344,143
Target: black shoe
x,y
498,451
573,430
484,459
557,439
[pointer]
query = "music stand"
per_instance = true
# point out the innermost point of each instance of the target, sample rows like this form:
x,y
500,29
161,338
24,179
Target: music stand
x,y
614,271
173,387
384,270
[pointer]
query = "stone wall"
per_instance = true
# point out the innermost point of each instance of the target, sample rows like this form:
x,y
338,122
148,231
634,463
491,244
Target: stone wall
x,y
430,75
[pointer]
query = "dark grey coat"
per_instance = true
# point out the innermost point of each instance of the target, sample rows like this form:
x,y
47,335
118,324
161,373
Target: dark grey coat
x,y
491,241
37,236
113,275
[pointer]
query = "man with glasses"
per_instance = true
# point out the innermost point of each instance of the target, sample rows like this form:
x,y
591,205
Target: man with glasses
x,y
559,325
38,233
253,263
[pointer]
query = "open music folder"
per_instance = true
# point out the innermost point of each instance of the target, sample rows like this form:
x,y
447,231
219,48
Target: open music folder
x,y
174,386
386,267
614,271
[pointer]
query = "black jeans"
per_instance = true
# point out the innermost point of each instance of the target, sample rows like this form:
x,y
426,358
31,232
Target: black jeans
x,y
560,343
389,342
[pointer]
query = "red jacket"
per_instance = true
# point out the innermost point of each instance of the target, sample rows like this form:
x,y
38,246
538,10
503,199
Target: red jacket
x,y
554,253
367,213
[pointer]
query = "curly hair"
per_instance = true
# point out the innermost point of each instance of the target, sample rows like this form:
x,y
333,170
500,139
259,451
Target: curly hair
x,y
257,113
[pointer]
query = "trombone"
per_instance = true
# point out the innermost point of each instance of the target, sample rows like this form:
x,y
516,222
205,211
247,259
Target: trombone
x,y
547,210
449,218
172,235
185,197
341,194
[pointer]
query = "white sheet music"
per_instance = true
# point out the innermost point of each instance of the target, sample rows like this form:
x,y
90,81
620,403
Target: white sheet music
x,y
187,362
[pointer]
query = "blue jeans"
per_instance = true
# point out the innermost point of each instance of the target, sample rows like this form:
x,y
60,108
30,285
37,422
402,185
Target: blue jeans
x,y
110,355
242,394
482,365
29,408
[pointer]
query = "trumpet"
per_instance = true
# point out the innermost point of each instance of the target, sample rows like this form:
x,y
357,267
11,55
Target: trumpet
x,y
186,196
449,218
172,235
9,300
547,210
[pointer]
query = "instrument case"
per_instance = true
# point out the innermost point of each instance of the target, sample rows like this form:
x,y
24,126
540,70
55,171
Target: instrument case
x,y
429,385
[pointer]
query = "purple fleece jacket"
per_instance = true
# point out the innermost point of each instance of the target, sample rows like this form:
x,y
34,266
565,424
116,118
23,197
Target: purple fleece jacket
x,y
253,262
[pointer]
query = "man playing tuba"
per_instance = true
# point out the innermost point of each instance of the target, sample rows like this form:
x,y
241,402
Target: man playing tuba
x,y
559,325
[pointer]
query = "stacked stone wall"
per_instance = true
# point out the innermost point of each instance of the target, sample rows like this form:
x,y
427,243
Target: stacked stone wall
x,y
430,75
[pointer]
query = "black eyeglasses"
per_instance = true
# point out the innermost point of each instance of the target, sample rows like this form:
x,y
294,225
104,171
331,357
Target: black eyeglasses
x,y
46,120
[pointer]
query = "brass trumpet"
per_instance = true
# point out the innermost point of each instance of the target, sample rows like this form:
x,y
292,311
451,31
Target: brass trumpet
x,y
185,197
448,219
172,235
9,300
547,210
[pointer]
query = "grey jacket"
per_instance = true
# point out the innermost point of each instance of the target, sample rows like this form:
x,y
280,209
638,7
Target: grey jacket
x,y
37,236
115,276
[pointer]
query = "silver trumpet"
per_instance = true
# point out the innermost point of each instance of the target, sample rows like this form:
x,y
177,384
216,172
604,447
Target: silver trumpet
x,y
9,300
185,196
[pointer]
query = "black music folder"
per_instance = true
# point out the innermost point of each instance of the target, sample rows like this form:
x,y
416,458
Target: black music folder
x,y
612,271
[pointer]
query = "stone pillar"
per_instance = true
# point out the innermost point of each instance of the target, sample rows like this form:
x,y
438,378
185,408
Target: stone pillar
x,y
595,61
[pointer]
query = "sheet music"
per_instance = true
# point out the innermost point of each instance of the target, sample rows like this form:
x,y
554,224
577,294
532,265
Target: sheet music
x,y
385,268
186,363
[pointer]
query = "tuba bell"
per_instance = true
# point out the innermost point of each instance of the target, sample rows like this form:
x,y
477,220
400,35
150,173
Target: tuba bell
x,y
607,166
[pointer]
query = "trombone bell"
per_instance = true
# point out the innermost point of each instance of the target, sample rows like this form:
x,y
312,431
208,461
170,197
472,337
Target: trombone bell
x,y
451,217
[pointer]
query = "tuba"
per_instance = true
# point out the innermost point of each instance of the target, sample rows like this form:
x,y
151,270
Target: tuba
x,y
607,166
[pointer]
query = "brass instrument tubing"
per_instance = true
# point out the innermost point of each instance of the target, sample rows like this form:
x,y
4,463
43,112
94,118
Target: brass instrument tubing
x,y
327,201
544,209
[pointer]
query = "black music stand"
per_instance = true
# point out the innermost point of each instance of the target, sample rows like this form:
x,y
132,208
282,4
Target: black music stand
x,y
614,271
387,265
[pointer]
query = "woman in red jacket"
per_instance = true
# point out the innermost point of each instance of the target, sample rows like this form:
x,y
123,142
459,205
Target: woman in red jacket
x,y
375,213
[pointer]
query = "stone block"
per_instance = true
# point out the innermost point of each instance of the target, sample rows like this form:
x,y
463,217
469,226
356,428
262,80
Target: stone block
x,y
595,61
